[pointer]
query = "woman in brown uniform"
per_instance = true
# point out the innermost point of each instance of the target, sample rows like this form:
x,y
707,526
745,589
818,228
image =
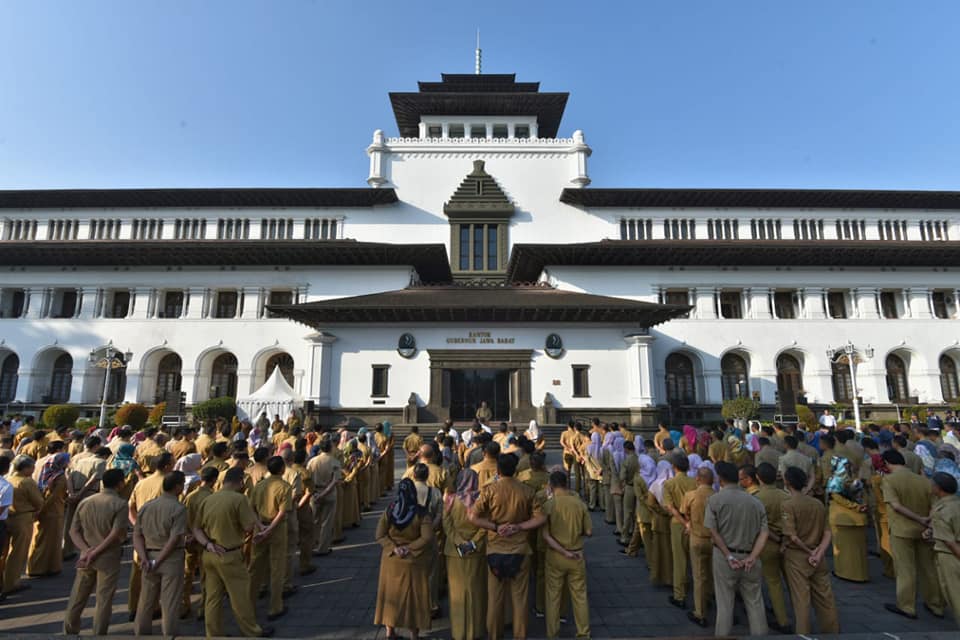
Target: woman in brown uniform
x,y
465,550
27,501
848,523
46,556
350,503
403,591
658,552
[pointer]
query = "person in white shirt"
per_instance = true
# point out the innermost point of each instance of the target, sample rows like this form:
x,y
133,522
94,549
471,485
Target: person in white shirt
x,y
828,421
6,500
950,434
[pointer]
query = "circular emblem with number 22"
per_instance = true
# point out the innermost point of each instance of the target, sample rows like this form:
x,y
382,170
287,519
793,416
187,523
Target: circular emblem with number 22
x,y
407,345
554,346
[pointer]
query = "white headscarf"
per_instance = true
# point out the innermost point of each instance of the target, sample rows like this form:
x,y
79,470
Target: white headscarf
x,y
533,431
664,473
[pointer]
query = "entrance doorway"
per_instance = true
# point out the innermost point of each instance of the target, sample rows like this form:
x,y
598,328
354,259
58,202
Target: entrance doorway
x,y
789,382
470,387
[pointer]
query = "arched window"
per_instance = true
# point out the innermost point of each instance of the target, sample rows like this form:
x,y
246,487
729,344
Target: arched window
x,y
734,377
842,383
680,384
223,376
8,377
285,362
118,381
948,379
898,389
789,382
168,376
61,379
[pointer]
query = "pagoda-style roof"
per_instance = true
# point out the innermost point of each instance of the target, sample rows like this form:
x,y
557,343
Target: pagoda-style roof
x,y
480,303
527,261
479,194
478,95
762,198
194,198
430,260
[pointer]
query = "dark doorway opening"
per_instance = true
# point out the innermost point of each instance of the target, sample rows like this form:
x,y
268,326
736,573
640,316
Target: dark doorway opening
x,y
470,387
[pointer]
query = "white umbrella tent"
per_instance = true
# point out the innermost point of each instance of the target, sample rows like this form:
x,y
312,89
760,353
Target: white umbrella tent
x,y
276,397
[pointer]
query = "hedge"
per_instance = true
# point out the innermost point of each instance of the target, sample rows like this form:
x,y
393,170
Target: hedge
x,y
60,414
133,414
740,408
215,408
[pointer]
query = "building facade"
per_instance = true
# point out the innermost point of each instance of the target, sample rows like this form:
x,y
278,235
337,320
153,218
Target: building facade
x,y
478,265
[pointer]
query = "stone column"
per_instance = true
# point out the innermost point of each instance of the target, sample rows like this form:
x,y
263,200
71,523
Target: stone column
x,y
140,303
813,306
918,302
251,303
188,383
705,303
581,151
194,301
321,368
134,380
87,303
640,369
759,300
865,301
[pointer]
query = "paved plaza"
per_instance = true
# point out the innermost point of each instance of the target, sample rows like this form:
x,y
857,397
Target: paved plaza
x,y
338,600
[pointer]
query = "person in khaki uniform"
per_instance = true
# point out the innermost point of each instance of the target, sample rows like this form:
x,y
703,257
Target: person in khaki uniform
x,y
641,490
767,453
465,554
693,509
673,491
506,510
567,522
146,490
27,502
945,533
794,458
486,469
224,520
158,538
271,499
909,500
292,478
806,538
98,529
305,531
325,471
193,550
411,446
437,475
628,471
569,441
771,560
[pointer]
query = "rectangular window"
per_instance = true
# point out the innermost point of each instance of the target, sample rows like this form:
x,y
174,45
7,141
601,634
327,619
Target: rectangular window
x,y
226,304
492,248
13,301
478,131
279,297
521,131
677,296
119,304
65,304
581,381
837,304
499,131
477,247
380,380
784,305
465,248
731,306
172,304
941,304
455,131
434,131
888,305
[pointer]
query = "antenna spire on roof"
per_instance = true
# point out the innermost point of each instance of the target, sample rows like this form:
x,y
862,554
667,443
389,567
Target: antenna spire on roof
x,y
478,54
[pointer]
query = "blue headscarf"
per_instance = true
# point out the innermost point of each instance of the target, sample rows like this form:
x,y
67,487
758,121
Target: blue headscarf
x,y
387,428
404,508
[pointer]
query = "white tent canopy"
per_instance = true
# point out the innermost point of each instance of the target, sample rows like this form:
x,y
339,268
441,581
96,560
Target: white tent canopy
x,y
276,397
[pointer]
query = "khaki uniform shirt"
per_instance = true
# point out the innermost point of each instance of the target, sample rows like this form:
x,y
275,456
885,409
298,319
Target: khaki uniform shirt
x,y
146,455
412,444
82,469
257,472
506,501
673,491
536,480
292,477
717,451
180,448
436,478
567,520
629,468
911,491
568,440
737,517
769,455
808,451
270,497
945,520
146,490
225,517
694,507
27,497
804,517
772,500
486,471
912,460
99,515
204,444
324,469
793,458
193,502
161,519
219,464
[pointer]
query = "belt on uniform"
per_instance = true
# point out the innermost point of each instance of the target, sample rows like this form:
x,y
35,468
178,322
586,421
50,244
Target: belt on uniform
x,y
743,551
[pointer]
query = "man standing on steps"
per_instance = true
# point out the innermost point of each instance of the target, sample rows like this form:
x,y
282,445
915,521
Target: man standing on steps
x,y
325,471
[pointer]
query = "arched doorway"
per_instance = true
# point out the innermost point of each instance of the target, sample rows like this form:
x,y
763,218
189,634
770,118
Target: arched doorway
x,y
681,386
898,389
948,379
734,376
223,376
9,368
169,376
61,379
283,360
789,382
842,382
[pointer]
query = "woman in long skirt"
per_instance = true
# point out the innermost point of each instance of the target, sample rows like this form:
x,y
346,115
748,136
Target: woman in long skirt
x,y
27,501
350,513
848,523
46,556
403,591
594,471
465,554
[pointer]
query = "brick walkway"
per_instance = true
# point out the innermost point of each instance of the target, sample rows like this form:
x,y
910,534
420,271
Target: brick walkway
x,y
338,600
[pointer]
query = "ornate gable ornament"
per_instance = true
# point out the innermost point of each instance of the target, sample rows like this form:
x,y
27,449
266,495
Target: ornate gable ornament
x,y
478,197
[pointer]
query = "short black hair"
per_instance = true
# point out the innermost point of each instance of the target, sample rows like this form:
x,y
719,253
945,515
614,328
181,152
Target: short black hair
x,y
900,439
892,456
791,442
869,443
843,435
507,465
492,449
750,471
111,478
945,481
260,454
326,445
56,446
421,472
558,479
163,461
828,439
219,449
795,477
764,441
299,456
173,480
681,463
727,471
276,465
92,441
628,446
209,474
537,460
5,466
767,473
233,475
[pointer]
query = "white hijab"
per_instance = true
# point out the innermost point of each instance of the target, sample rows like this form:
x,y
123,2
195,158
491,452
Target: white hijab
x,y
533,431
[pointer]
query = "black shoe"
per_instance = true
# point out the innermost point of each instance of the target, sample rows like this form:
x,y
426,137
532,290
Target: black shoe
x,y
266,632
932,612
538,614
435,613
274,616
695,620
320,555
626,553
781,628
288,592
307,571
680,604
892,608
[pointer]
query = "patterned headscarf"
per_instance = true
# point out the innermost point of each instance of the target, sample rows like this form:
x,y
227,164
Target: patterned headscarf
x,y
841,482
404,508
53,468
733,442
124,461
468,487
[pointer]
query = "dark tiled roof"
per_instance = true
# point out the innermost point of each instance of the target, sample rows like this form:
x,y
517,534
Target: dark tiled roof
x,y
192,198
763,198
487,304
527,261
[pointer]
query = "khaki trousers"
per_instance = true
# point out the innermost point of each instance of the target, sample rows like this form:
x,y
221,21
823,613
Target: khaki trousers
x,y
629,513
948,569
133,585
68,546
190,565
163,584
680,550
593,494
701,566
617,499
912,557
103,575
228,575
726,583
20,530
293,543
569,464
305,535
502,592
269,565
773,574
566,577
324,513
606,503
810,584
641,533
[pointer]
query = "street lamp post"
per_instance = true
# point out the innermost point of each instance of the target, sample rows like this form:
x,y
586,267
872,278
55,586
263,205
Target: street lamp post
x,y
851,354
109,362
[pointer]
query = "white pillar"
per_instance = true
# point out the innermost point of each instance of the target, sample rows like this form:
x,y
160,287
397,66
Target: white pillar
x,y
640,369
489,131
445,130
422,130
712,388
132,390
321,368
865,300
376,151
705,303
140,303
580,152
87,303
813,306
251,303
759,301
193,303
918,302
534,131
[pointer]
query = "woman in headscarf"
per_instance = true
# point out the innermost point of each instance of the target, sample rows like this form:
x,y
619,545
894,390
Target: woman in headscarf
x,y
594,468
190,465
641,489
388,447
881,521
848,522
349,506
363,475
695,463
403,590
465,551
688,441
612,459
658,549
373,487
736,453
607,475
27,501
46,555
534,435
132,473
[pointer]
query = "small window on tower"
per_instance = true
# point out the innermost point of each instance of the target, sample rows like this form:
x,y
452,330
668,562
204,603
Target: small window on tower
x,y
499,131
456,131
434,131
521,131
478,131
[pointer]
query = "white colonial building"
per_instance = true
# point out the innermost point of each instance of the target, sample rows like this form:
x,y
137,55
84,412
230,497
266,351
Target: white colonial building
x,y
479,265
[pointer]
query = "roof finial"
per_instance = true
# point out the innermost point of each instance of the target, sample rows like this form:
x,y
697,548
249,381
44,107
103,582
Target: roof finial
x,y
477,56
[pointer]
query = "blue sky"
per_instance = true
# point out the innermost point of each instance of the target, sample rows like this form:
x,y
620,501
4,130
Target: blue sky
x,y
137,93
